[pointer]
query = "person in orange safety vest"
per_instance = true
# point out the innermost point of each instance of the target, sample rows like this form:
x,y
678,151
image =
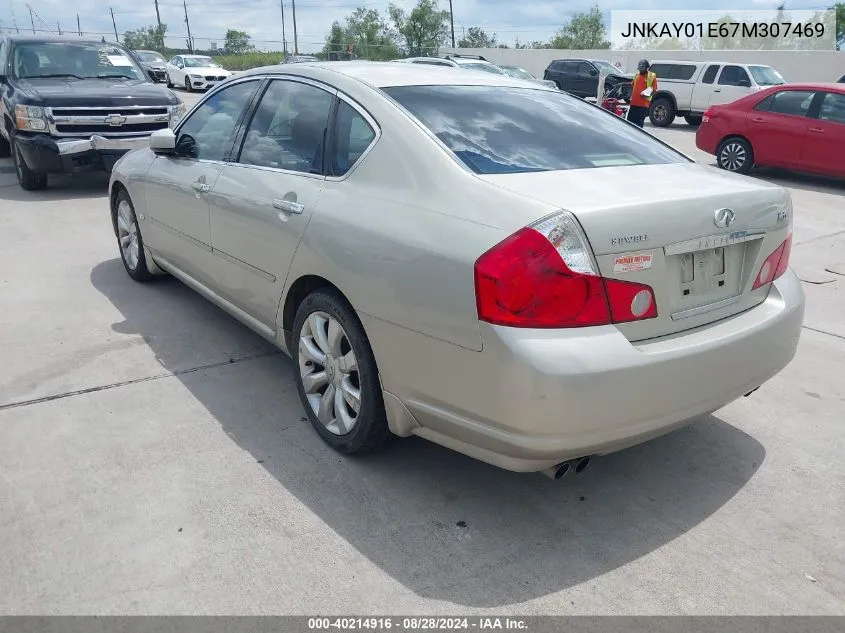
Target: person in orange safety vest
x,y
643,86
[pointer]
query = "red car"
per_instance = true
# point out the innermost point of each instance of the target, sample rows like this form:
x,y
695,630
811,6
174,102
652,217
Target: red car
x,y
795,126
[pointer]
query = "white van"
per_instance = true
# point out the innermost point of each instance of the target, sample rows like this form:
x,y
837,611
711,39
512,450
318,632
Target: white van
x,y
687,89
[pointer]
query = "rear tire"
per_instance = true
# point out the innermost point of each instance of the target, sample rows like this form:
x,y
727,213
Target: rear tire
x,y
27,178
335,360
661,112
735,154
693,120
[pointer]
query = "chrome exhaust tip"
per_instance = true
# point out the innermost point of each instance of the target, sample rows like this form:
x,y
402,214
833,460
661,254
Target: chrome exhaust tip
x,y
557,472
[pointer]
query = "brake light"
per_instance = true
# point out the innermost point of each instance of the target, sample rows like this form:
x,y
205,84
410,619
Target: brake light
x,y
775,265
543,276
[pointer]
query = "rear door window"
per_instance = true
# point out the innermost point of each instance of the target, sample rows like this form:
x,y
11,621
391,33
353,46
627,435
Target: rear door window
x,y
710,74
497,130
833,108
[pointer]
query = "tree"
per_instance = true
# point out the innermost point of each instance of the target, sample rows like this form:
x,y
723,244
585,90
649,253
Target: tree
x,y
145,38
237,42
476,38
366,32
425,29
584,31
839,8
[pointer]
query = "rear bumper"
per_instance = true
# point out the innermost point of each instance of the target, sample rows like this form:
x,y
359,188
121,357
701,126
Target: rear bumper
x,y
707,138
57,156
534,398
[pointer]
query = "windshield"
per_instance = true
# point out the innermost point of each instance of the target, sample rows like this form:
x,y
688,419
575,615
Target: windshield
x,y
599,64
200,62
498,130
69,59
147,56
488,68
517,73
766,76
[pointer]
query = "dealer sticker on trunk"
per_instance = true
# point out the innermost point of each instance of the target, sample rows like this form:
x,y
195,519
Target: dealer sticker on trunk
x,y
633,262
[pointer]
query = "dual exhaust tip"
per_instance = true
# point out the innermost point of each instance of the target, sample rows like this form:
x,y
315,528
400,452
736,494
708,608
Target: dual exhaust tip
x,y
574,465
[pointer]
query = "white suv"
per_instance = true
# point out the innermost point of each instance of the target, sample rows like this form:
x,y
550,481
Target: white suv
x,y
687,89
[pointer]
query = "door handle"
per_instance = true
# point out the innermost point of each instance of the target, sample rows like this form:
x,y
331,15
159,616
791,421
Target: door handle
x,y
817,130
201,187
758,119
717,90
288,206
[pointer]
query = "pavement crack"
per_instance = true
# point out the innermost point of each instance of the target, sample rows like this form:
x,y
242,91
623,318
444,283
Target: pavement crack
x,y
812,329
124,383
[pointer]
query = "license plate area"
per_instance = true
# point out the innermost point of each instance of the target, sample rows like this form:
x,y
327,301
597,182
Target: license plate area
x,y
705,274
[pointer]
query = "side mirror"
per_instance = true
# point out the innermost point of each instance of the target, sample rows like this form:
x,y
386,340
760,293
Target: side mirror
x,y
163,141
593,72
745,83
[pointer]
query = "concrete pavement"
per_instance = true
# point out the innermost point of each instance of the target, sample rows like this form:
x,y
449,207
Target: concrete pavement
x,y
154,458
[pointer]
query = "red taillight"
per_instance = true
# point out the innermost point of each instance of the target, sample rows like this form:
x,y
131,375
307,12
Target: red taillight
x,y
775,264
525,281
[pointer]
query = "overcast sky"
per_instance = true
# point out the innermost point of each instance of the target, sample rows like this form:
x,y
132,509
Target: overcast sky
x,y
526,20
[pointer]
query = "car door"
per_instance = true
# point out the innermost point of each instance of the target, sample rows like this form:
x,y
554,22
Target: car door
x,y
263,199
777,127
825,138
177,186
703,89
733,83
175,69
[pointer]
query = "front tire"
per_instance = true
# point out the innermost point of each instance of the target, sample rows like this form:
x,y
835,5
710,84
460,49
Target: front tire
x,y
188,86
27,178
661,112
129,239
337,377
169,83
736,155
693,120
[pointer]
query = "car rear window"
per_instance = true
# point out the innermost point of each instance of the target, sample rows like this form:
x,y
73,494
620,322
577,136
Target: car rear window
x,y
495,130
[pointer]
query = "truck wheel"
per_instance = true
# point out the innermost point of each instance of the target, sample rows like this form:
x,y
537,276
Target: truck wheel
x,y
5,148
662,112
28,179
693,120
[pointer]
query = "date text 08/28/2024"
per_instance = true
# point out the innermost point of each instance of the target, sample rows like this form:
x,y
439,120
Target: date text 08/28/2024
x,y
418,623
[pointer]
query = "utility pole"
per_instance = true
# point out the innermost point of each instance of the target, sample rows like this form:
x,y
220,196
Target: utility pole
x,y
284,40
59,26
114,24
190,39
158,16
78,28
452,22
31,19
295,41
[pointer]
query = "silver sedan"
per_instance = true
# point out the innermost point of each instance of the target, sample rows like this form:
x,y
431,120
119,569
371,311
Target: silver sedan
x,y
471,258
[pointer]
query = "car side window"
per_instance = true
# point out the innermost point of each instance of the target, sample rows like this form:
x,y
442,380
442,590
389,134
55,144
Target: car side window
x,y
4,50
352,136
833,108
710,74
790,102
288,129
570,67
734,76
683,72
663,71
207,134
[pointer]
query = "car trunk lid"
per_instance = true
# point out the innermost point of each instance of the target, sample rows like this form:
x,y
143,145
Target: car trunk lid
x,y
696,235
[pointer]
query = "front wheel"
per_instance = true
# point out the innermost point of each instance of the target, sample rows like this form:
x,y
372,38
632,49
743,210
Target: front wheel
x,y
661,113
735,154
129,239
188,84
693,120
169,83
27,178
337,377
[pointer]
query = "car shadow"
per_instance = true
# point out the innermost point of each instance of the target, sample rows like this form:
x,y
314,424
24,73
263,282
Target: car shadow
x,y
797,180
60,187
445,526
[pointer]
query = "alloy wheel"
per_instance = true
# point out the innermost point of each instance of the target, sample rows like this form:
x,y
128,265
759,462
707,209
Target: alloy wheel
x,y
329,372
733,156
127,234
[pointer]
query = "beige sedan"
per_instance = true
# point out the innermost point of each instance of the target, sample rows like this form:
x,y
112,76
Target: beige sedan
x,y
471,258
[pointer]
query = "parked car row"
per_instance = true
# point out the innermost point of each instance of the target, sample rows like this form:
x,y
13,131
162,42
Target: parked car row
x,y
476,62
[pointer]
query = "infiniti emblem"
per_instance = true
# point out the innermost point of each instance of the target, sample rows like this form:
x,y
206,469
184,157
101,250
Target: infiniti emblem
x,y
723,218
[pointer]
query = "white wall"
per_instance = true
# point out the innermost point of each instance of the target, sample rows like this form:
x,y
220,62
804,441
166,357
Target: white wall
x,y
793,65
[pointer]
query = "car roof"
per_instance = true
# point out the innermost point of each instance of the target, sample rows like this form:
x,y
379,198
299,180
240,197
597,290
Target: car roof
x,y
829,85
57,39
192,56
386,74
